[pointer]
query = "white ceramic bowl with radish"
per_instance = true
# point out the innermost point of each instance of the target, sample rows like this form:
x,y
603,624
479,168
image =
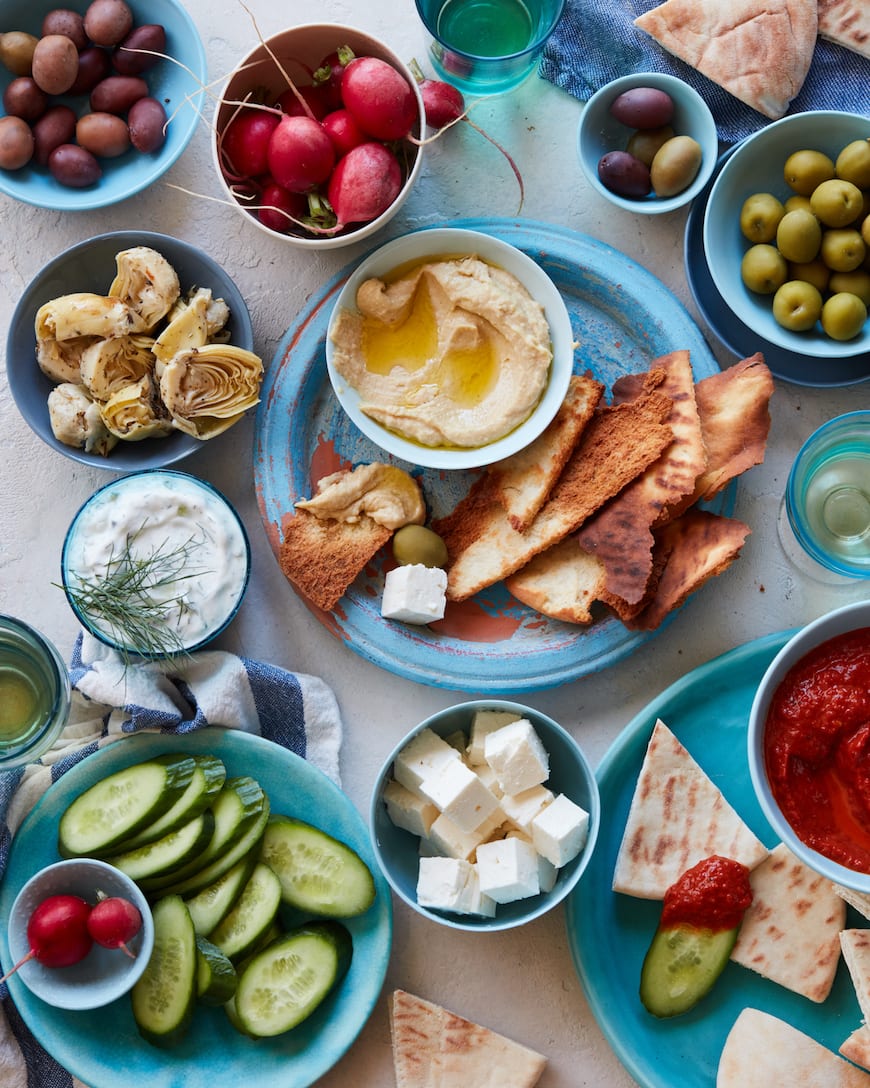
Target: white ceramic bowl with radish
x,y
317,135
80,934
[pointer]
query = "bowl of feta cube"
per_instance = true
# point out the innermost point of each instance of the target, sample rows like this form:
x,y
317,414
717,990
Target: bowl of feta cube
x,y
485,815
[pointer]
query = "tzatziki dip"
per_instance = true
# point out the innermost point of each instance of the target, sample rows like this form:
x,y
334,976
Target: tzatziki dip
x,y
156,563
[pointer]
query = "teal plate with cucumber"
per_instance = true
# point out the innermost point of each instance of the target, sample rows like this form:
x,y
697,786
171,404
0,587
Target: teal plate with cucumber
x,y
609,933
103,1045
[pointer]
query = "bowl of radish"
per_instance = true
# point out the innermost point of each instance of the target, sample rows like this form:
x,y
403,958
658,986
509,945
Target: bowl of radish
x,y
318,135
80,934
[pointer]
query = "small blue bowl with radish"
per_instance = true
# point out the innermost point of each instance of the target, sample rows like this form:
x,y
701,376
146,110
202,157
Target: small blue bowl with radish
x,y
54,930
317,135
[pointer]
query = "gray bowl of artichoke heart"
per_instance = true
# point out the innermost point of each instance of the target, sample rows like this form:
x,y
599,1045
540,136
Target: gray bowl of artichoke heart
x,y
155,564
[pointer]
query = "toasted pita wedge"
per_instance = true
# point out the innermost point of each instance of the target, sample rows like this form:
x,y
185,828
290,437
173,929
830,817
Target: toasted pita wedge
x,y
758,50
562,582
678,817
846,23
857,1047
434,1048
791,931
761,1051
855,944
859,900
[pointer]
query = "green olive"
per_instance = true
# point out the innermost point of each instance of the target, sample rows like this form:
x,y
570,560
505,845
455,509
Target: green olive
x,y
843,316
853,163
804,170
760,216
799,236
645,142
763,268
417,544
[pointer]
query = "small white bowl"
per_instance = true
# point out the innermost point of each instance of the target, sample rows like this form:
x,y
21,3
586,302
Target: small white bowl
x,y
453,242
105,974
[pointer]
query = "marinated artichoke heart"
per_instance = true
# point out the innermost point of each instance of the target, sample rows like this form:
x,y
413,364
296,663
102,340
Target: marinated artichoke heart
x,y
60,360
70,317
135,412
208,389
109,365
76,420
187,329
147,283
217,312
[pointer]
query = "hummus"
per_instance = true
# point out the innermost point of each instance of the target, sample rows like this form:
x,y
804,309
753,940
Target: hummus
x,y
385,493
455,352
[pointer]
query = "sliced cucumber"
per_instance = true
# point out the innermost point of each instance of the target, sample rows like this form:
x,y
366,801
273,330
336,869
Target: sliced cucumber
x,y
216,977
166,854
121,804
283,985
243,928
212,903
318,874
163,998
681,965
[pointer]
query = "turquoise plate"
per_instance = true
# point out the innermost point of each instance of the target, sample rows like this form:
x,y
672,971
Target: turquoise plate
x,y
101,1046
609,934
622,318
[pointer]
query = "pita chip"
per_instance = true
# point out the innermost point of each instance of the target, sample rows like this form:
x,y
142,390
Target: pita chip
x,y
761,1051
791,931
859,900
758,50
857,1047
435,1048
856,952
846,23
562,582
678,816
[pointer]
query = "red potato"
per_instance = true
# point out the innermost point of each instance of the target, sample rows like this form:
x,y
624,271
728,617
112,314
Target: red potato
x,y
381,100
344,132
364,184
300,154
245,143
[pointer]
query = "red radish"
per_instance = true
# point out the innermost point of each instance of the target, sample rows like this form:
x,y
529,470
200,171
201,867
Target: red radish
x,y
381,100
312,98
57,933
364,184
113,922
329,74
279,208
344,132
301,154
245,142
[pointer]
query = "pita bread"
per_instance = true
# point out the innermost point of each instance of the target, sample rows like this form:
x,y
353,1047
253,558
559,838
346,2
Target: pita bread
x,y
859,900
758,50
791,931
678,817
857,1047
562,582
856,952
434,1048
761,1051
846,23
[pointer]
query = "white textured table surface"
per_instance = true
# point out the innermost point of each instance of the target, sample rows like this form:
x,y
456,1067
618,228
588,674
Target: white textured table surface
x,y
521,983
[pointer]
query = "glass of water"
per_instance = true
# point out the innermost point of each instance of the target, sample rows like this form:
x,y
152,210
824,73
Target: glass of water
x,y
34,693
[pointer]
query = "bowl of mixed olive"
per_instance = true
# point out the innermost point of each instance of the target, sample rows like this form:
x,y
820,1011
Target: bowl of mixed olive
x,y
787,233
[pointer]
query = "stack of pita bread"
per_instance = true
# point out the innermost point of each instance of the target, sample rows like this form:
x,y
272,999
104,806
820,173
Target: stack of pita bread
x,y
758,50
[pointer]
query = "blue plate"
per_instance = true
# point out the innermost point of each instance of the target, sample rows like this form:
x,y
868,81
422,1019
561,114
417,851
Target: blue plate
x,y
99,1047
622,317
609,933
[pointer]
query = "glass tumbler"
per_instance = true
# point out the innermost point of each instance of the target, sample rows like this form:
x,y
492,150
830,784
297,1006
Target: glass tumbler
x,y
34,693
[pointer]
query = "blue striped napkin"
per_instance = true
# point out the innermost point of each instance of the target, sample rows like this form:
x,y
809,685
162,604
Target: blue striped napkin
x,y
296,711
596,41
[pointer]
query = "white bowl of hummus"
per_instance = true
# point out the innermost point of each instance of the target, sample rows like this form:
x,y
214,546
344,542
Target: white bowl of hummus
x,y
450,348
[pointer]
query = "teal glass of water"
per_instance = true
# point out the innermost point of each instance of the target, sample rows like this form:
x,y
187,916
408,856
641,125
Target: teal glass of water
x,y
827,497
34,693
487,46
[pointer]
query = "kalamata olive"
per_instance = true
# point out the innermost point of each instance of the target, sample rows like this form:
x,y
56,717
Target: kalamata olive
x,y
103,134
94,65
116,94
146,120
16,143
16,51
675,165
150,39
64,21
56,126
417,544
23,98
55,63
74,167
624,175
643,107
108,22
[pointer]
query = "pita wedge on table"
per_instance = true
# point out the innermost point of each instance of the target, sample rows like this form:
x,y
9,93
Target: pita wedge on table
x,y
435,1048
857,1047
791,931
762,1051
678,817
846,23
758,50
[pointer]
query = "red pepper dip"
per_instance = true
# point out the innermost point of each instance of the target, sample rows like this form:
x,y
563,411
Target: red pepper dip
x,y
817,748
714,895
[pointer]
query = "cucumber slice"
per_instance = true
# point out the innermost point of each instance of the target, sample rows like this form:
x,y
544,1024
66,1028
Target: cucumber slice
x,y
283,985
216,977
166,854
121,804
164,996
318,874
243,928
212,903
681,965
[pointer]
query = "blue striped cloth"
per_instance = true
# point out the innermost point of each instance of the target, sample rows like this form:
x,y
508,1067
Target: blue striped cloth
x,y
596,41
296,711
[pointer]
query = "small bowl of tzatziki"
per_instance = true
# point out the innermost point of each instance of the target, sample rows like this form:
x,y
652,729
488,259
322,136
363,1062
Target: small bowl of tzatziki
x,y
156,563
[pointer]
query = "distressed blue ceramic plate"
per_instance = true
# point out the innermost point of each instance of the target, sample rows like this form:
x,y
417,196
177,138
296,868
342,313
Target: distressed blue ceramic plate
x,y
103,1045
622,317
609,934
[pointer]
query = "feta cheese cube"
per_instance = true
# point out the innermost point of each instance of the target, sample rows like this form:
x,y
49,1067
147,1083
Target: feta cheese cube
x,y
559,831
522,808
487,776
452,841
422,756
508,869
483,722
414,594
517,756
408,810
451,884
457,792
459,741
547,873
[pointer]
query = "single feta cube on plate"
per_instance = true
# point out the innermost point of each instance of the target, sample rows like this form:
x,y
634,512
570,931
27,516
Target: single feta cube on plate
x,y
451,884
414,594
422,756
483,722
508,869
517,756
559,832
522,808
408,810
457,792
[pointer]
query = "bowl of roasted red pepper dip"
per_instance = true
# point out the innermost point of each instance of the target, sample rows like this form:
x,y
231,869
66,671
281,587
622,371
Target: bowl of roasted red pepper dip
x,y
809,745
